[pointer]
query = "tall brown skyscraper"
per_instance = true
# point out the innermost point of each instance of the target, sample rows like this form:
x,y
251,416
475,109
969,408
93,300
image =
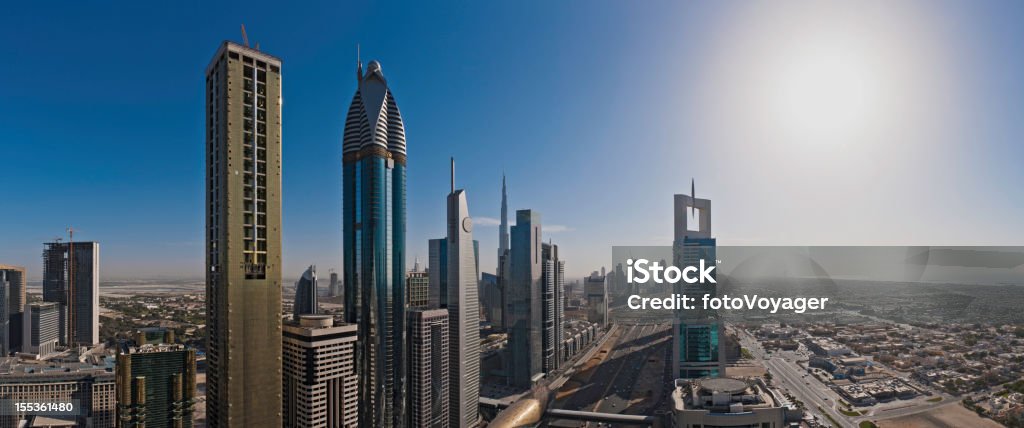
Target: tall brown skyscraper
x,y
243,238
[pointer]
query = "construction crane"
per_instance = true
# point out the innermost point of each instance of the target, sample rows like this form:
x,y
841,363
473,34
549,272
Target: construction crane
x,y
245,38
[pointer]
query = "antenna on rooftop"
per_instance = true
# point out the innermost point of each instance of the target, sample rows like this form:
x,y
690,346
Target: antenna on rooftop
x,y
245,38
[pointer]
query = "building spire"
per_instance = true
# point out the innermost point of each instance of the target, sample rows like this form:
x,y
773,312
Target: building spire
x,y
453,175
503,226
359,65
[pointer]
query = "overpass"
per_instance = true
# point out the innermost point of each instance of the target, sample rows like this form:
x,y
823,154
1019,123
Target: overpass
x,y
611,418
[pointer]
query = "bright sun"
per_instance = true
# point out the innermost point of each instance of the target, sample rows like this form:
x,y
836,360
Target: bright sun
x,y
824,93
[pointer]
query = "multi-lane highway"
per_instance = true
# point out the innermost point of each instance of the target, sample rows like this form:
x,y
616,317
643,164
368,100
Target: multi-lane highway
x,y
818,398
622,376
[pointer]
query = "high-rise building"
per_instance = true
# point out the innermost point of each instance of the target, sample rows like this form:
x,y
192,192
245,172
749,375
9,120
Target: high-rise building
x,y
335,288
697,333
305,293
490,298
595,289
71,277
92,388
428,368
553,279
243,237
14,277
419,288
42,328
503,226
156,386
503,268
320,379
437,272
373,166
5,321
463,306
524,303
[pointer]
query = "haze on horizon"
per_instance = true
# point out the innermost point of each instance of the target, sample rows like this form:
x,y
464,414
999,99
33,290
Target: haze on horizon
x,y
806,123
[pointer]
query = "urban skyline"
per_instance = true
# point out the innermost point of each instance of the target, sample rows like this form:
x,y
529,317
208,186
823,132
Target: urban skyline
x,y
967,53
388,354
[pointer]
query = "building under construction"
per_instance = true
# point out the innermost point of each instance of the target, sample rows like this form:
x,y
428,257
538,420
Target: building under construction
x,y
71,279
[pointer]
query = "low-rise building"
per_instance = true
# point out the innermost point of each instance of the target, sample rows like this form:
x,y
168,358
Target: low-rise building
x,y
725,402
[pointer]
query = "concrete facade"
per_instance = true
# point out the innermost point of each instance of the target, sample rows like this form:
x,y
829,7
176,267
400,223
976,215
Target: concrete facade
x,y
243,237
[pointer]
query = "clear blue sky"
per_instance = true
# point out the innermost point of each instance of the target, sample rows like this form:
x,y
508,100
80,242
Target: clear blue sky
x,y
804,123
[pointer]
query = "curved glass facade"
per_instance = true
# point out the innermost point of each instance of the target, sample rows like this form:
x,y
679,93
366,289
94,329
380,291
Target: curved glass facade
x,y
374,248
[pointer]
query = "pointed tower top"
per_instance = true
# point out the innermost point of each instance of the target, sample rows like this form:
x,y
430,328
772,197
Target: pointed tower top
x,y
359,65
453,175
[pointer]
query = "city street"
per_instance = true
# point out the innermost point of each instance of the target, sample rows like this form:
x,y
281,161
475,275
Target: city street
x,y
625,377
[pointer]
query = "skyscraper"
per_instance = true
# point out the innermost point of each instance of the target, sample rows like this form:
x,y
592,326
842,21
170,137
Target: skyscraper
x,y
428,368
305,293
596,290
373,166
5,321
15,279
463,305
490,298
156,386
437,272
553,279
503,227
524,302
697,333
243,237
504,264
320,384
71,277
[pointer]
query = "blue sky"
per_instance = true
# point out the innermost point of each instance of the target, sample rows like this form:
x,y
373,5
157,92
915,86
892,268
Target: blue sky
x,y
597,111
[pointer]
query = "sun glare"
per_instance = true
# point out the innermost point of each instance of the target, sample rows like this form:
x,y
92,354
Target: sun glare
x,y
825,93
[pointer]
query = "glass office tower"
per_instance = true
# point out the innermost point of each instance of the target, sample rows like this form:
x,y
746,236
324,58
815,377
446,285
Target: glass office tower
x,y
697,333
373,168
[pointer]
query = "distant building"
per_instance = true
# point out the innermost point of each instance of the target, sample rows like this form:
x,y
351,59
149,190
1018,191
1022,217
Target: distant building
x,y
71,278
419,289
156,386
725,402
490,298
553,279
428,368
320,378
335,288
305,294
503,241
42,328
524,302
499,301
14,277
595,289
697,334
93,388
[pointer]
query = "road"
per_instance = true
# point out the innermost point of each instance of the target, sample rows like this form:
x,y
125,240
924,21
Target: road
x,y
818,399
619,379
